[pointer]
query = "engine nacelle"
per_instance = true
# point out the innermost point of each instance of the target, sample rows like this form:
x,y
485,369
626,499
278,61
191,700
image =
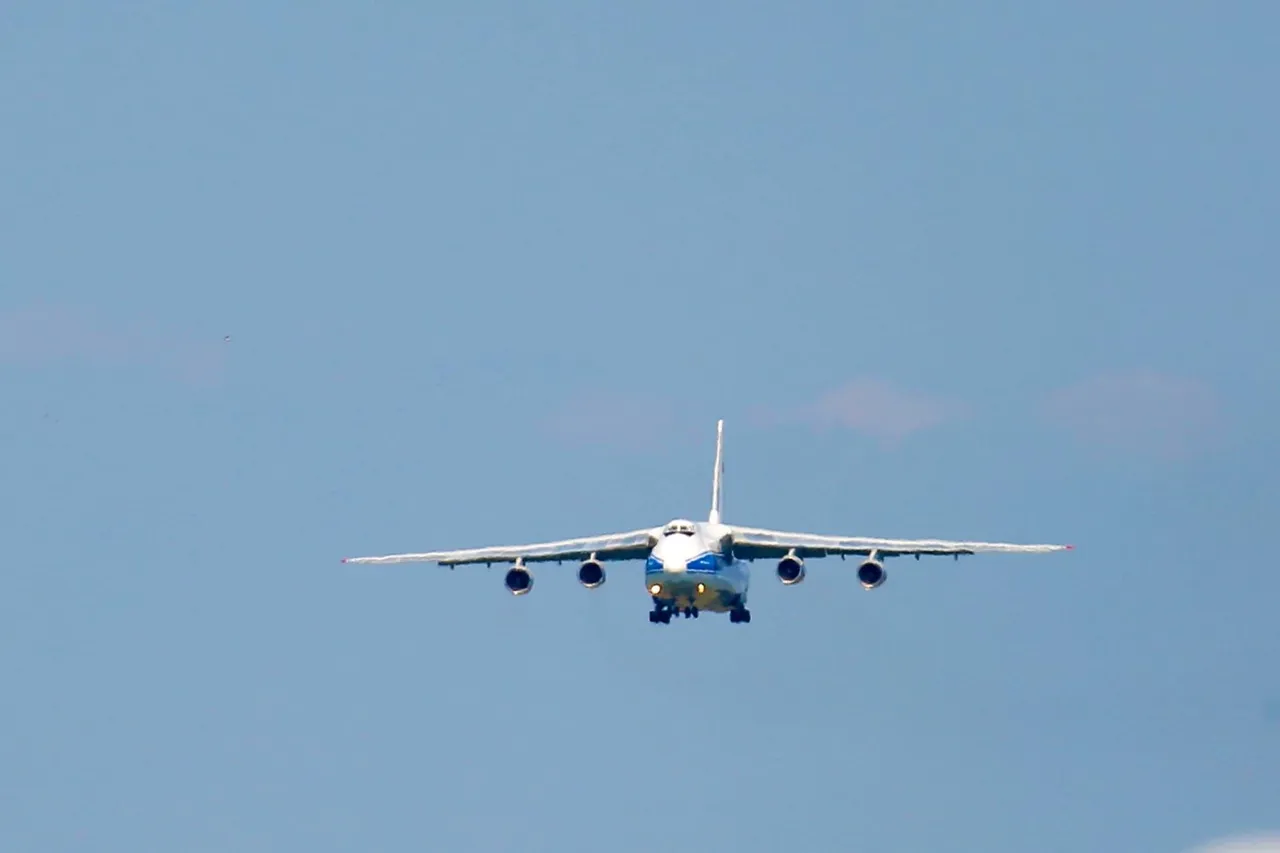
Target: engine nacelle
x,y
871,574
790,570
519,580
591,574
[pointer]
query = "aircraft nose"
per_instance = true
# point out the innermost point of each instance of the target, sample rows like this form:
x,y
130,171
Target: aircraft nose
x,y
675,564
671,556
675,560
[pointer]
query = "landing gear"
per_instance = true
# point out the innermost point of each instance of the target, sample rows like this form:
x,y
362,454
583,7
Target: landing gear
x,y
742,614
662,612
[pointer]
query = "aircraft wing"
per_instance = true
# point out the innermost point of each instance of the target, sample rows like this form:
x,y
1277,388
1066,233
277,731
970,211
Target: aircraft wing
x,y
751,543
634,545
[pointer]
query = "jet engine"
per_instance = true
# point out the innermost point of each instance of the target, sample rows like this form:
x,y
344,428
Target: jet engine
x,y
519,580
591,574
871,574
790,570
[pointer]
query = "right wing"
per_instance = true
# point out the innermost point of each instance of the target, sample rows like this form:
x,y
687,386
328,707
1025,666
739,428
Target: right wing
x,y
755,543
634,545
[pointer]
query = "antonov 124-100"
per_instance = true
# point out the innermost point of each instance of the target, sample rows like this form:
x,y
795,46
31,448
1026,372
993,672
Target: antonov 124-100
x,y
693,567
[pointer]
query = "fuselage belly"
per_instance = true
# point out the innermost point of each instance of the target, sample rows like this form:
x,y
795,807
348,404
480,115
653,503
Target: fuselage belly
x,y
688,569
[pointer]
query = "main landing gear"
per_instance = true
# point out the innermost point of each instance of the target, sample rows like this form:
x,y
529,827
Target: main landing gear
x,y
663,613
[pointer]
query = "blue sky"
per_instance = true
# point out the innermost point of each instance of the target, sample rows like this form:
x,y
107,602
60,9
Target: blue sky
x,y
489,275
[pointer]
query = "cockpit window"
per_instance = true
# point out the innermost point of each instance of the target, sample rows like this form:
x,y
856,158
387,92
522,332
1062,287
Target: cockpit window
x,y
684,528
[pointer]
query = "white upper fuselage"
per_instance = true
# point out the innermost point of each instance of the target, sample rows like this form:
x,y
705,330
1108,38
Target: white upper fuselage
x,y
689,567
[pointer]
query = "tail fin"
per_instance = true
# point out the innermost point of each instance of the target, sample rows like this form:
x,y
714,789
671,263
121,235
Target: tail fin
x,y
717,482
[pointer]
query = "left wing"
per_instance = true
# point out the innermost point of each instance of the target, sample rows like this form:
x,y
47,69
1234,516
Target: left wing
x,y
634,545
750,543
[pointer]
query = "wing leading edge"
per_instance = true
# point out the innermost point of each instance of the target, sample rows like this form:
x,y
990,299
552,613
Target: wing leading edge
x,y
751,543
633,545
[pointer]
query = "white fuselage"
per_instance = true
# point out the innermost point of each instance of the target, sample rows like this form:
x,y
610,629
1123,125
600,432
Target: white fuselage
x,y
692,569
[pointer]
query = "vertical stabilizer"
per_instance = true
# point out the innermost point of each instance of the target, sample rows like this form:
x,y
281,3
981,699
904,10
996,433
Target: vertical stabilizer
x,y
717,482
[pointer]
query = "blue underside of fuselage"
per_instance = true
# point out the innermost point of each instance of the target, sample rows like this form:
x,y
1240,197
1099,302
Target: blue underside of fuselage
x,y
709,582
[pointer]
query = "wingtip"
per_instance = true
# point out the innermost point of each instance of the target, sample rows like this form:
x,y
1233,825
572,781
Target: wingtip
x,y
344,559
1069,547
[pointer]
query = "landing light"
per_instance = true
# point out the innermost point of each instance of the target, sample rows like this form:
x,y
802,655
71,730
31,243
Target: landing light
x,y
702,587
656,588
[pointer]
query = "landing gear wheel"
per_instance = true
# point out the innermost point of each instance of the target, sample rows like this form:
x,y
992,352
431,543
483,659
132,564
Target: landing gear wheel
x,y
742,614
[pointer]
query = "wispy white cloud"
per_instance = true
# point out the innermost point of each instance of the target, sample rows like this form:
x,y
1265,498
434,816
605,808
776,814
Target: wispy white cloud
x,y
1258,843
874,408
40,335
630,421
1138,411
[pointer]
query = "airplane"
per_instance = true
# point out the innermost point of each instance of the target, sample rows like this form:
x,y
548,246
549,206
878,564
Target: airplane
x,y
693,567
